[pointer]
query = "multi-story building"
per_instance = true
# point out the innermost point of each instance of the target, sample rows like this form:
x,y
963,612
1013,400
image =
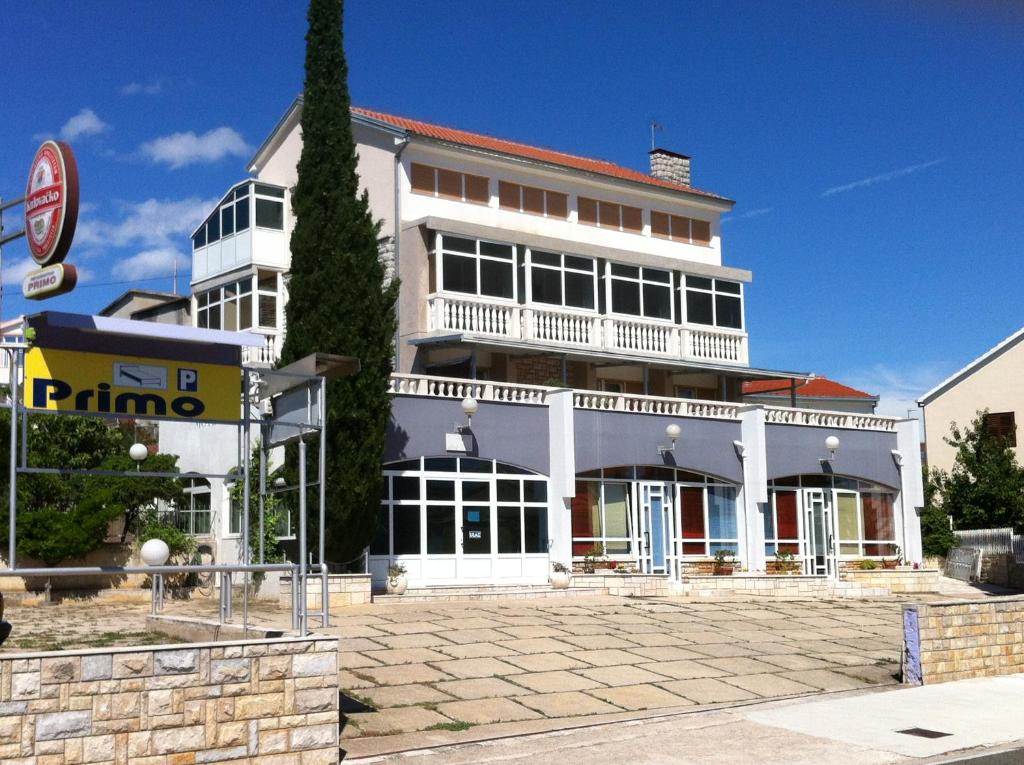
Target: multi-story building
x,y
584,310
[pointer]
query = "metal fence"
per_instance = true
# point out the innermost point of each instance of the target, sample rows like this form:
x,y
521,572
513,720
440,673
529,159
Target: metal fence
x,y
992,541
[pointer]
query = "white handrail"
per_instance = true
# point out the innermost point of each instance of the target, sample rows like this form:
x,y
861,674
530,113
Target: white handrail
x,y
826,419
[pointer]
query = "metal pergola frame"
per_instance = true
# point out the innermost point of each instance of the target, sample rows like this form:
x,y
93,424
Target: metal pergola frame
x,y
254,392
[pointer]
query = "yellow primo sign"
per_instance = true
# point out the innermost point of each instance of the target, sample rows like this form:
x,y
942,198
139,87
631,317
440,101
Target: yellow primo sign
x,y
74,381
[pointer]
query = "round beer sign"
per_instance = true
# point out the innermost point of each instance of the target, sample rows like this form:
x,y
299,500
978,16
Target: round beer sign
x,y
51,203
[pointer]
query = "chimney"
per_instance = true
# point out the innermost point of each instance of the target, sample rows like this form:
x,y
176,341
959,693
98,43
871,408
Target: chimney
x,y
668,166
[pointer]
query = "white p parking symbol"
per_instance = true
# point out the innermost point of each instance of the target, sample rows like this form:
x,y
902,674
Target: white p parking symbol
x,y
188,380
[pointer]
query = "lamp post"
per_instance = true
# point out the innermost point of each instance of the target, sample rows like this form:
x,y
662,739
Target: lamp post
x,y
155,552
138,452
672,431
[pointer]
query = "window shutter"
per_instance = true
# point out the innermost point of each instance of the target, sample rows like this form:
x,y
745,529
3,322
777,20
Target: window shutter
x,y
422,178
587,211
659,224
508,195
701,231
632,219
558,205
477,189
533,200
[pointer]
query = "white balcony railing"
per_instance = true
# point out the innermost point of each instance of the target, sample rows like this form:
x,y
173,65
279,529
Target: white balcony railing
x,y
482,390
823,419
673,407
560,327
264,355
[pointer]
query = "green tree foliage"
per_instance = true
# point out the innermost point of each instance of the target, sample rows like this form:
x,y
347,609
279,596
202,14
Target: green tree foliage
x,y
985,488
936,536
338,302
66,516
273,513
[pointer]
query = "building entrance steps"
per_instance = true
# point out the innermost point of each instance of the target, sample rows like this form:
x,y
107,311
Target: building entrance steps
x,y
487,592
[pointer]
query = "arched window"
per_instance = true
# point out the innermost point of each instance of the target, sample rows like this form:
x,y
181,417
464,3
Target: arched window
x,y
192,514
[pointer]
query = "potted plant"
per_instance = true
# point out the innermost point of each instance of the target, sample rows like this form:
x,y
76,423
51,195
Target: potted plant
x,y
592,559
560,576
868,565
724,562
785,563
397,581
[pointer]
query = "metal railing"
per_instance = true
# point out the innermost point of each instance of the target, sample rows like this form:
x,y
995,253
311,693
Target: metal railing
x,y
992,541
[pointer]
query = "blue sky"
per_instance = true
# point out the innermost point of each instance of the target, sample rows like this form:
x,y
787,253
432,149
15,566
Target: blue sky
x,y
875,150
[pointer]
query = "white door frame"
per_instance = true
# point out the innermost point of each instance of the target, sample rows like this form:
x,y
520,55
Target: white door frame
x,y
647,495
819,538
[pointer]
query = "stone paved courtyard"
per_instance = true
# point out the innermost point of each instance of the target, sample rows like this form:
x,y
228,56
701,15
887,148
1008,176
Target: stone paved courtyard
x,y
453,665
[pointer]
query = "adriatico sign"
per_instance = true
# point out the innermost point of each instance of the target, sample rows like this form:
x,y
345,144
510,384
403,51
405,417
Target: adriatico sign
x,y
73,381
51,203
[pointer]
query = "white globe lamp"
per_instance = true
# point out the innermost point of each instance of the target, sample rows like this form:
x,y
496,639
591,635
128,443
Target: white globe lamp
x,y
673,431
469,407
155,552
832,444
138,452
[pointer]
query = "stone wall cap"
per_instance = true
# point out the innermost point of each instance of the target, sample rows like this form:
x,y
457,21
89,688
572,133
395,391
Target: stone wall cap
x,y
985,602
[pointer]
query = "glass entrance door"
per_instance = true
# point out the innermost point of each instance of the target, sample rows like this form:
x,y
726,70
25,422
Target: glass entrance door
x,y
819,533
655,527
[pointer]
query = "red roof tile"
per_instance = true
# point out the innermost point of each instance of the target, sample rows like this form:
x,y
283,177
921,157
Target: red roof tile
x,y
819,387
476,140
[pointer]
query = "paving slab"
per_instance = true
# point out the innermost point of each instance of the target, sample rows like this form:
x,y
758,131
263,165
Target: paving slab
x,y
396,720
531,631
474,650
569,704
545,662
683,670
622,675
354,660
466,668
597,642
403,695
408,628
480,688
536,645
794,661
638,697
604,658
707,690
402,674
359,644
485,711
740,665
391,656
415,640
551,682
482,635
825,680
769,686
665,653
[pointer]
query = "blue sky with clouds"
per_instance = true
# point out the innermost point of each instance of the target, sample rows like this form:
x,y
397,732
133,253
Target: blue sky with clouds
x,y
874,149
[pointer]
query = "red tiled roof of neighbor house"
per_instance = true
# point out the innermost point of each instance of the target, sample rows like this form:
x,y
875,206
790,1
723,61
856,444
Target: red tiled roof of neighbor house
x,y
476,140
820,387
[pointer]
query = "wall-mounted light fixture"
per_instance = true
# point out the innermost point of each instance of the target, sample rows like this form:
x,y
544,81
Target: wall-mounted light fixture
x,y
672,431
741,449
832,444
897,457
469,407
456,442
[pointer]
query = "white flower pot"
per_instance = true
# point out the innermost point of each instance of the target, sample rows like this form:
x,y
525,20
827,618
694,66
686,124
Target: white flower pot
x,y
560,580
397,585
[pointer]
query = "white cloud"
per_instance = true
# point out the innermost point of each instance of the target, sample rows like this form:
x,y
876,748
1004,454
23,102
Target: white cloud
x,y
882,178
181,149
17,270
84,123
150,263
898,389
756,212
142,88
153,224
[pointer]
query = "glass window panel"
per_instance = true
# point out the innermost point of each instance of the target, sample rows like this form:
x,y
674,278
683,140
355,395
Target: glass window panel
x,y
654,473
203,299
699,282
471,465
692,516
631,272
508,491
842,482
242,214
405,487
580,264
227,220
786,511
733,288
459,274
268,311
503,468
231,316
683,475
768,520
403,465
267,281
203,318
213,229
546,286
269,214
616,510
586,515
657,275
214,314
242,191
880,549
406,535
199,238
245,285
701,231
381,544
441,464
441,490
848,528
474,491
698,307
440,530
458,244
680,228
558,205
535,522
716,547
721,512
509,530
496,250
849,549
245,312
545,258
535,491
269,191
618,472
816,481
728,312
496,279
790,547
579,290
625,297
769,549
879,521
657,301
476,530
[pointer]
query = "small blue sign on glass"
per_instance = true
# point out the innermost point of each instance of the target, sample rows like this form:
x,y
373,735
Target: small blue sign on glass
x,y
473,516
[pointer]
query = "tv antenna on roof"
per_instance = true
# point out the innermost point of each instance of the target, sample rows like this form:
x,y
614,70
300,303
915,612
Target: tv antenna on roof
x,y
655,126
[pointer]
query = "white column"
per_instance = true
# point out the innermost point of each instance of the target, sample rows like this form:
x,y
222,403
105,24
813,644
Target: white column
x,y
562,471
754,497
911,497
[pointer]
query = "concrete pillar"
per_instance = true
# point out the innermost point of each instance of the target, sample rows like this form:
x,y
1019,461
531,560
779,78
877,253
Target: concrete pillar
x,y
754,495
562,483
911,496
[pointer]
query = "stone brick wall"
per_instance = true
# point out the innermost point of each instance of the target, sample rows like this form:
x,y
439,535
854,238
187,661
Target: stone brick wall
x,y
957,640
895,580
255,702
753,585
344,589
624,585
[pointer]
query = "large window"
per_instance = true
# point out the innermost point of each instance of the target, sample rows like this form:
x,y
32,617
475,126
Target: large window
x,y
476,267
527,199
227,307
714,302
269,206
680,229
563,280
1003,426
597,212
192,514
707,519
230,217
440,505
438,182
782,523
637,291
601,516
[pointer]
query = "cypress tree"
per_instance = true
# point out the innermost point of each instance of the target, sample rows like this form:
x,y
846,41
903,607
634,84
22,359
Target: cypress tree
x,y
338,302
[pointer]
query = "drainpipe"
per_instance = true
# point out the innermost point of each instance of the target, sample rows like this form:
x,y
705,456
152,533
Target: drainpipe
x,y
398,248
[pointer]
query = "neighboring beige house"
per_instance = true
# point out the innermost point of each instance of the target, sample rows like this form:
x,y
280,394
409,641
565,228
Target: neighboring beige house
x,y
993,381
